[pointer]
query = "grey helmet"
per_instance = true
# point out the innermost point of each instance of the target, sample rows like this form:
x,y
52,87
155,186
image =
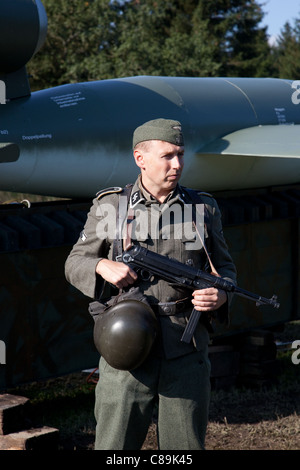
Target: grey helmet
x,y
124,334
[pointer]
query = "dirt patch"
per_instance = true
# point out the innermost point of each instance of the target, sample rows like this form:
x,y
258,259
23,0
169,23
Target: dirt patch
x,y
255,420
250,420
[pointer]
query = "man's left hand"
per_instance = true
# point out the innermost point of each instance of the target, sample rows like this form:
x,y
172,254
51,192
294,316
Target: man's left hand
x,y
208,299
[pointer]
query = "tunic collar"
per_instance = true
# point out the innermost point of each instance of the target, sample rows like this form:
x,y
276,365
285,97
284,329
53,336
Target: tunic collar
x,y
140,195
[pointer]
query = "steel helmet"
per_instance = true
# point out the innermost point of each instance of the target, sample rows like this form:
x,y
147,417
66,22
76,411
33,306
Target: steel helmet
x,y
124,334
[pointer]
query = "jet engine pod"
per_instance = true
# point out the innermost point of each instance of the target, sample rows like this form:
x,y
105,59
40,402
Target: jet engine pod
x,y
23,29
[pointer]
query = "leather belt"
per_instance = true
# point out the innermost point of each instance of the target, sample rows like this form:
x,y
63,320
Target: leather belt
x,y
171,308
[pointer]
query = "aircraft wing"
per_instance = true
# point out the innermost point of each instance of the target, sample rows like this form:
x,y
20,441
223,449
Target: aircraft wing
x,y
9,152
259,141
253,157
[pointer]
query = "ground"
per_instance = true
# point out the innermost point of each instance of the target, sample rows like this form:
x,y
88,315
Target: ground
x,y
251,420
241,418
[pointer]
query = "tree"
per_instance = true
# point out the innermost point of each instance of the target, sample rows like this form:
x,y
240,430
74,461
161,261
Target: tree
x,y
288,51
192,38
77,31
100,39
244,49
157,38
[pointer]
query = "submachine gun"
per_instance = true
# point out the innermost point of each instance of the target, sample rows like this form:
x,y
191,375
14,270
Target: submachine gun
x,y
148,263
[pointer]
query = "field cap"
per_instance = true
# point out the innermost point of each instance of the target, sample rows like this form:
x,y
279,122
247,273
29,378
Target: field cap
x,y
167,130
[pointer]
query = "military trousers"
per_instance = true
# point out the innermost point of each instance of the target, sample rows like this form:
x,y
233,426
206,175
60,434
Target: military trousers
x,y
178,389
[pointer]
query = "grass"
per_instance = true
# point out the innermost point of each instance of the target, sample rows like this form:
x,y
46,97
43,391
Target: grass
x,y
65,403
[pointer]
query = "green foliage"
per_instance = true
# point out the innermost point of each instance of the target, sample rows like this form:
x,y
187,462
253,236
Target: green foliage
x,y
101,39
78,32
288,51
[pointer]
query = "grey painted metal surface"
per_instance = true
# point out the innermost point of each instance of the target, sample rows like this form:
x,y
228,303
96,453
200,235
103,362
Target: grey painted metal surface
x,y
76,139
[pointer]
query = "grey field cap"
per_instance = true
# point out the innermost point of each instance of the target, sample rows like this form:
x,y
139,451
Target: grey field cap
x,y
167,130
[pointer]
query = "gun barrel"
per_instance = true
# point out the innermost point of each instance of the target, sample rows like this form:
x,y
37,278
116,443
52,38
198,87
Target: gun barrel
x,y
260,300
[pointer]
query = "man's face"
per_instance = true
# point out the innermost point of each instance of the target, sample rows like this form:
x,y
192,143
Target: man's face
x,y
161,165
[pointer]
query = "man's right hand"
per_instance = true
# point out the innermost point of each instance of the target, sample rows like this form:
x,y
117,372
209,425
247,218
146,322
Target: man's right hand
x,y
118,274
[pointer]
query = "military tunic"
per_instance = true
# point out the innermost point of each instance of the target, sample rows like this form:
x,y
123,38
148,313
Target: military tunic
x,y
166,229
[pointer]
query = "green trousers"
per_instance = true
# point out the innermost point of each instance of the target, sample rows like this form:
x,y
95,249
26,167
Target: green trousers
x,y
125,401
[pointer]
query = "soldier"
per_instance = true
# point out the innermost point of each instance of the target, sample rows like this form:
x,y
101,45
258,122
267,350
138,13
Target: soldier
x,y
175,376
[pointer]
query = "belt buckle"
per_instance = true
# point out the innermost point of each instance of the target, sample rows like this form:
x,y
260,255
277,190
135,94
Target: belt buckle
x,y
169,308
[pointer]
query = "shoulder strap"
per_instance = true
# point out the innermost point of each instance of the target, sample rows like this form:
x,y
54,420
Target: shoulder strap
x,y
112,189
127,241
122,210
195,197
